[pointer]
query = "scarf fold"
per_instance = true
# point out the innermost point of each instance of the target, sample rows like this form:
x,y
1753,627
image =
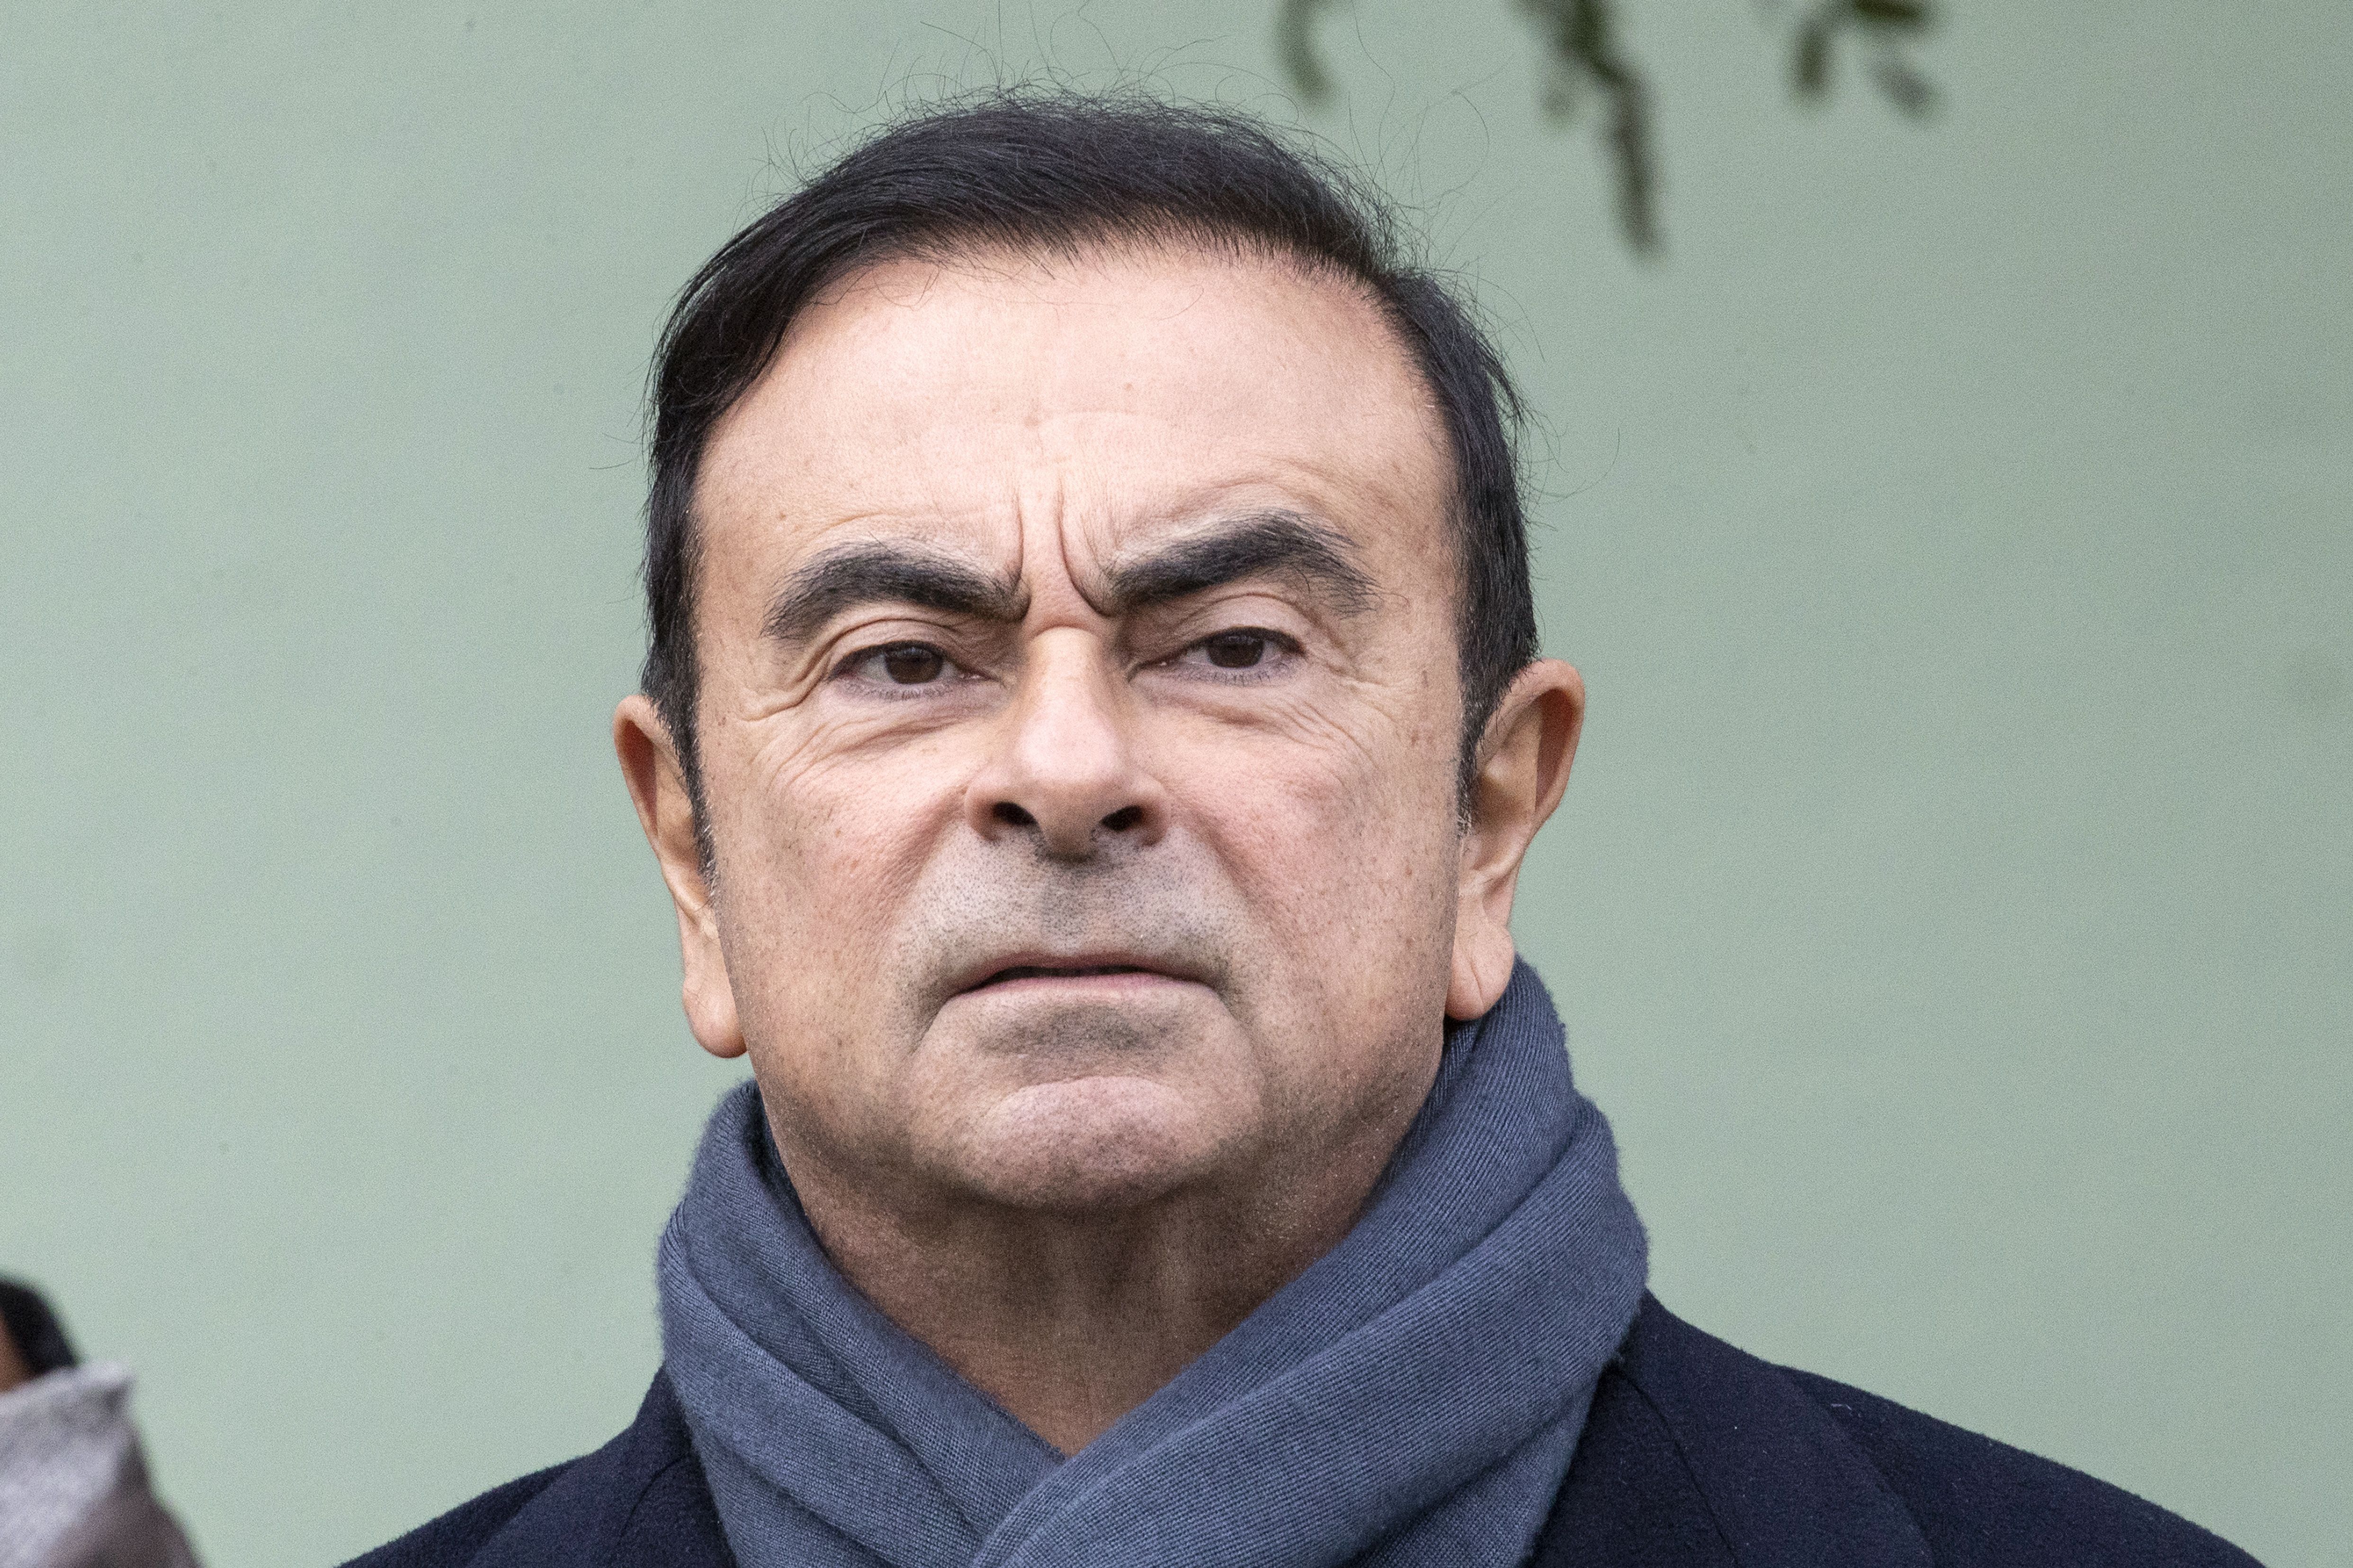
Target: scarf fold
x,y
1413,1397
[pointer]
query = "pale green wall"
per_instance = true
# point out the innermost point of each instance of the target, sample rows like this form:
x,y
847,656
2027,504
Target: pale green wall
x,y
1952,907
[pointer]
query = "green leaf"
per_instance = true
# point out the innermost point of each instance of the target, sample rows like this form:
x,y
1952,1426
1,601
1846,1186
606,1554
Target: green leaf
x,y
1908,15
1809,68
1295,34
1906,89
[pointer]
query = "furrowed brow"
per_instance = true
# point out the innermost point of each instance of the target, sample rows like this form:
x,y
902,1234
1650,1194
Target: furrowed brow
x,y
883,573
1264,545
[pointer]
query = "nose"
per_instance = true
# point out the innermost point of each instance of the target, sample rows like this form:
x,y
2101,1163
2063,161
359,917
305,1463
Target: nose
x,y
1065,770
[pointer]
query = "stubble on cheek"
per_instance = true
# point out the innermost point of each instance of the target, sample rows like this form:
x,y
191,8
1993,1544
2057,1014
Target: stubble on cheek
x,y
1351,867
817,865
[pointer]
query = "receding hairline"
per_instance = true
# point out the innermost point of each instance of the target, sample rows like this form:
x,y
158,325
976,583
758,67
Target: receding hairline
x,y
1173,235
1009,256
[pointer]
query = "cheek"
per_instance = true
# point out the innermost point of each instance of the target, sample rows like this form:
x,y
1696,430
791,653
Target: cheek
x,y
819,853
1345,874
1340,840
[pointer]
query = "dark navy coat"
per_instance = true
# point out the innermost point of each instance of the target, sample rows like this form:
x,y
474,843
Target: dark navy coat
x,y
1694,1456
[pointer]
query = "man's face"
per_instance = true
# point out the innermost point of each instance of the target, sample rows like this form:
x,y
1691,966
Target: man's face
x,y
1078,725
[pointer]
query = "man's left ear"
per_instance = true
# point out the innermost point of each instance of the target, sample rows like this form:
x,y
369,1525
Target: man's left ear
x,y
1524,758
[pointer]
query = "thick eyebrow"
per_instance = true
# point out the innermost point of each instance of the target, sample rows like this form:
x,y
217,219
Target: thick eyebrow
x,y
1264,544
887,571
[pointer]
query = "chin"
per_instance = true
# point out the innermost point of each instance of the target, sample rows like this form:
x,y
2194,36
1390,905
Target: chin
x,y
1095,1144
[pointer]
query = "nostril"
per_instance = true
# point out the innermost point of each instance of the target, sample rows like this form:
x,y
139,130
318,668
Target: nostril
x,y
1125,817
1012,815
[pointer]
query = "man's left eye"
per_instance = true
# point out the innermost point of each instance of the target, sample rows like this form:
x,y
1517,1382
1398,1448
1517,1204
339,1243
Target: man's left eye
x,y
1235,651
1244,648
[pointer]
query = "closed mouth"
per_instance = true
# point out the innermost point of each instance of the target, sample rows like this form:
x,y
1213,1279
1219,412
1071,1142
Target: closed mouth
x,y
1107,969
1065,972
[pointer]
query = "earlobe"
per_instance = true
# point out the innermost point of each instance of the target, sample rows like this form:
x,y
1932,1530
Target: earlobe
x,y
709,998
1482,968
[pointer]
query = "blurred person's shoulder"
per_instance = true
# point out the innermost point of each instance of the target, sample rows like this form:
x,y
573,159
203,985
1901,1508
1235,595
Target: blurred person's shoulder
x,y
1695,1455
74,1487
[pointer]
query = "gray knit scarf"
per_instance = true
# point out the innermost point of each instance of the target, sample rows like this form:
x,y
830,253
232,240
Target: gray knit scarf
x,y
1414,1397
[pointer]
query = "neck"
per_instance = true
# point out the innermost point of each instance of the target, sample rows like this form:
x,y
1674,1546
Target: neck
x,y
1069,1319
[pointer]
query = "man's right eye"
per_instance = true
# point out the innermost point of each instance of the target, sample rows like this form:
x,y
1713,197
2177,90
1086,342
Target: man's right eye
x,y
901,664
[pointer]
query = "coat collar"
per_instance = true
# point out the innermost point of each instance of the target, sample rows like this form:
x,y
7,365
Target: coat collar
x,y
639,1502
1693,1454
1696,1453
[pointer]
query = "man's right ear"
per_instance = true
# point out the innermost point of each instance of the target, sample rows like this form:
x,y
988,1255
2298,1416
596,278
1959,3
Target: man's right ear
x,y
666,811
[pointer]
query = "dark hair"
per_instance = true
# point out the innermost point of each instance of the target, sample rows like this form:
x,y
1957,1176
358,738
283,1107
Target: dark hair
x,y
1056,172
41,1342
